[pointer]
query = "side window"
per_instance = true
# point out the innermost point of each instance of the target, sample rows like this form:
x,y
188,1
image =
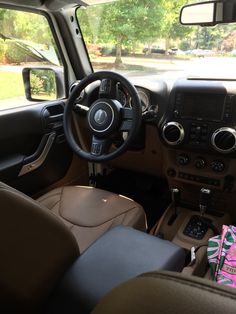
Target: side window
x,y
26,42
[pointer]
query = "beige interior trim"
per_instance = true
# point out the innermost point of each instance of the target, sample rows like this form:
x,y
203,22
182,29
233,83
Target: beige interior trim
x,y
35,164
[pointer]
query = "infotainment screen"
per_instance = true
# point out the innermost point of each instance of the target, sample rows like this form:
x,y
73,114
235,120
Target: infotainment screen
x,y
203,106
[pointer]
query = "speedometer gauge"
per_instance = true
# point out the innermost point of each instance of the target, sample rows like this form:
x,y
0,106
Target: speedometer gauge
x,y
144,99
122,97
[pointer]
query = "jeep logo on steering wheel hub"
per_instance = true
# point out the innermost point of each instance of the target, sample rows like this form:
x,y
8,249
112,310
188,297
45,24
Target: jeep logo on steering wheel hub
x,y
100,116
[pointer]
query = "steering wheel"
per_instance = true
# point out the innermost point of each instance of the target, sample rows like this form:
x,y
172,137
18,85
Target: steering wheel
x,y
105,118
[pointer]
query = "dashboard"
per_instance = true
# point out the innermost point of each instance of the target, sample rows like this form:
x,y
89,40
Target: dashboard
x,y
188,135
189,131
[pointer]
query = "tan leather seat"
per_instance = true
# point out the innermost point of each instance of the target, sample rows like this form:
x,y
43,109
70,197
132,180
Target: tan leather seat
x,y
89,212
166,293
37,247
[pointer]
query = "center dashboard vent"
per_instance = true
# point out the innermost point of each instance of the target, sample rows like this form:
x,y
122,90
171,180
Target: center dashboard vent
x,y
173,133
224,140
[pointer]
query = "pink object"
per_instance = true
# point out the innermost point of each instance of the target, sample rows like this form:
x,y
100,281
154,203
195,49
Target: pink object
x,y
222,256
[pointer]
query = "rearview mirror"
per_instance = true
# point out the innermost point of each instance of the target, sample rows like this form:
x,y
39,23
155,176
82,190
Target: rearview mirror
x,y
208,13
43,84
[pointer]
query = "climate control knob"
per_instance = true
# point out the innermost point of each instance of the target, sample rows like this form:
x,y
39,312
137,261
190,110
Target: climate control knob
x,y
173,133
200,163
224,140
217,166
182,159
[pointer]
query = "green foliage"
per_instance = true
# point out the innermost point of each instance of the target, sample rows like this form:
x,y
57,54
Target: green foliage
x,y
21,32
211,37
43,82
126,23
2,50
14,53
36,84
184,45
25,25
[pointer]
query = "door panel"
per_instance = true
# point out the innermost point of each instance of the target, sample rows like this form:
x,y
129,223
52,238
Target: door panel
x,y
33,152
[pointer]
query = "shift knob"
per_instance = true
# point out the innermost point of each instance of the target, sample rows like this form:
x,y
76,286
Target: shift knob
x,y
205,198
175,195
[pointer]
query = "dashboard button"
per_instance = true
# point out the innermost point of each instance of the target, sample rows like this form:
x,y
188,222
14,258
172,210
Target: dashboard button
x,y
171,172
200,163
182,159
217,165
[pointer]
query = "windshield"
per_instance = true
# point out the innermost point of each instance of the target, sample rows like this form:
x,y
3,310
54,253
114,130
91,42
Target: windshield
x,y
144,38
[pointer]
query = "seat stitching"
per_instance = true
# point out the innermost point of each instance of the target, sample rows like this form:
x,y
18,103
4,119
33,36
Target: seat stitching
x,y
185,282
67,219
42,199
59,209
62,190
51,208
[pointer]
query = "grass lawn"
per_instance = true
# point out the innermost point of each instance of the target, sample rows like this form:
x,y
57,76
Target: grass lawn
x,y
11,84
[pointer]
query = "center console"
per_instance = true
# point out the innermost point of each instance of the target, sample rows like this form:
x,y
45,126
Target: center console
x,y
199,137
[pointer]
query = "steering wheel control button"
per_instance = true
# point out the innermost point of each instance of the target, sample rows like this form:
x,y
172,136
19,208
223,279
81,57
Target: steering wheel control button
x,y
173,133
183,159
96,149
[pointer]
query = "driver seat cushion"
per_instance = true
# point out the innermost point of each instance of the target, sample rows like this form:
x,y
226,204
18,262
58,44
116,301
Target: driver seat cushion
x,y
88,212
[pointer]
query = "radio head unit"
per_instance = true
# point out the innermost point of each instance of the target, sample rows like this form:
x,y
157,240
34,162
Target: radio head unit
x,y
203,106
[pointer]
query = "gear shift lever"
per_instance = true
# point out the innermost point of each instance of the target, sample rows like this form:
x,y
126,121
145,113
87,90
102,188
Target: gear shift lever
x,y
175,196
204,202
198,225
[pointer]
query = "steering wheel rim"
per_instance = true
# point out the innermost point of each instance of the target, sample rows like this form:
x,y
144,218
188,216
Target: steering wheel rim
x,y
135,116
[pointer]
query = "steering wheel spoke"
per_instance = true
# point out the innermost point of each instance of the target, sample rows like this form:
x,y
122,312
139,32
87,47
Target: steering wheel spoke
x,y
99,146
80,109
127,113
126,126
108,89
127,117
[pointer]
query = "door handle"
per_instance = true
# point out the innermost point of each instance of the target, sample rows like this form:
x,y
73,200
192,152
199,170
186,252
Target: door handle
x,y
35,160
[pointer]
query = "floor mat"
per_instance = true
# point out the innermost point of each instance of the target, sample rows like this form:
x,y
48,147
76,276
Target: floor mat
x,y
151,192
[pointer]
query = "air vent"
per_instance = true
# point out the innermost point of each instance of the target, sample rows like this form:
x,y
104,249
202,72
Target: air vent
x,y
73,85
173,133
82,94
224,140
52,117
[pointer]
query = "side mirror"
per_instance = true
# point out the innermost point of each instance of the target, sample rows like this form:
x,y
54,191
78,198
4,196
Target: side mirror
x,y
43,83
208,13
